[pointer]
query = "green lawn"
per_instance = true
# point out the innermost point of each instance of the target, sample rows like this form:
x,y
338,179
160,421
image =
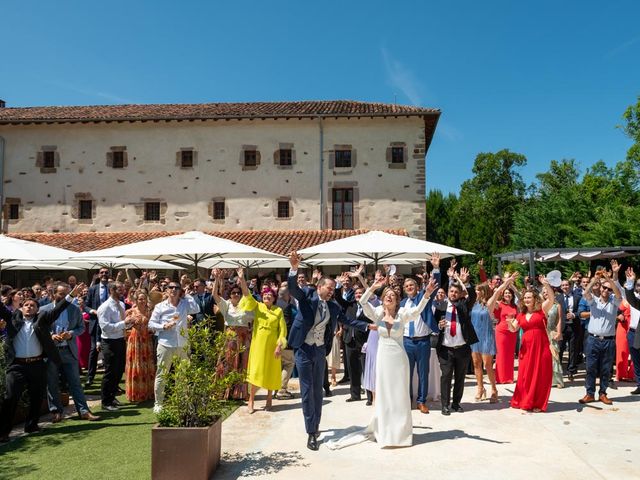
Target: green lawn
x,y
117,447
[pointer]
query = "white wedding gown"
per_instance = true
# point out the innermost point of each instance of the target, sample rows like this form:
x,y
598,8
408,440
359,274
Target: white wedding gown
x,y
391,425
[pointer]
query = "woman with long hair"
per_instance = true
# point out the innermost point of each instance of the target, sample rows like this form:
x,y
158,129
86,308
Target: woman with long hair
x,y
391,425
505,339
269,338
554,331
140,372
535,370
14,300
482,352
239,321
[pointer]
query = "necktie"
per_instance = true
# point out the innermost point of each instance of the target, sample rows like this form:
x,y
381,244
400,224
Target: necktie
x,y
412,329
323,311
454,323
104,295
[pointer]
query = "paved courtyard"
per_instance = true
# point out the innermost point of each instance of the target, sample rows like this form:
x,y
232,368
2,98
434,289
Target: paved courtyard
x,y
485,442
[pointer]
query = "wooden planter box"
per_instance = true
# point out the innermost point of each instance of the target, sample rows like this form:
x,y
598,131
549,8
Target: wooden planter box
x,y
192,453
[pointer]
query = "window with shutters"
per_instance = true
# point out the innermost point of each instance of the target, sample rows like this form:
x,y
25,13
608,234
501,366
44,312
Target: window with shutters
x,y
250,158
49,159
283,209
286,157
186,158
343,158
152,211
219,210
342,209
85,209
118,159
14,211
397,154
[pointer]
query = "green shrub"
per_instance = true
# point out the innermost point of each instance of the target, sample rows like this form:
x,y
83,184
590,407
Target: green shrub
x,y
196,385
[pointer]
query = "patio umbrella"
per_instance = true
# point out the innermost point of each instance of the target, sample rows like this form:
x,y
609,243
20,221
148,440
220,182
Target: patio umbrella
x,y
33,265
378,247
12,249
113,263
191,248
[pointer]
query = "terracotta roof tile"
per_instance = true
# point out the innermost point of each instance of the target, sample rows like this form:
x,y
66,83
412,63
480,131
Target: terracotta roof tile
x,y
200,111
277,241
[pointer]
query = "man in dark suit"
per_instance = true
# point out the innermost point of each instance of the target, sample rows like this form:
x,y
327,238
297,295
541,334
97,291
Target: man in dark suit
x,y
354,340
98,294
27,343
64,331
205,301
311,335
571,328
457,334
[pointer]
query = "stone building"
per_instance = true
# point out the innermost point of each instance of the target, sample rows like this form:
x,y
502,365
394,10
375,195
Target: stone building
x,y
329,165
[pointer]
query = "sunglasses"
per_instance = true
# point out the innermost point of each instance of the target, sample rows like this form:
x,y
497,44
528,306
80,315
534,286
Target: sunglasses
x,y
174,287
606,288
235,293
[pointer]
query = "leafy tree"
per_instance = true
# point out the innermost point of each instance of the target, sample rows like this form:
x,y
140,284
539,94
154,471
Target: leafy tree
x,y
441,225
488,202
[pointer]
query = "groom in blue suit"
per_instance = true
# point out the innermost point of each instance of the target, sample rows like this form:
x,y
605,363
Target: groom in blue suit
x,y
311,338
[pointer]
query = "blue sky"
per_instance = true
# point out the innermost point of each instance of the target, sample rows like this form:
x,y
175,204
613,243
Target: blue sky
x,y
548,79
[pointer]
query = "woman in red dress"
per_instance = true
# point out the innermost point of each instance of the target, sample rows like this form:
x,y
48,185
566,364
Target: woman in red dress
x,y
140,372
624,365
505,339
84,341
535,367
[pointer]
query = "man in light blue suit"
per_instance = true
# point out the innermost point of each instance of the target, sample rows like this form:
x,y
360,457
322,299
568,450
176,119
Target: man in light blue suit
x,y
64,332
311,337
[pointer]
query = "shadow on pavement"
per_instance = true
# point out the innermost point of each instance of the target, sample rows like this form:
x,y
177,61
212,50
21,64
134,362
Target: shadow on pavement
x,y
257,464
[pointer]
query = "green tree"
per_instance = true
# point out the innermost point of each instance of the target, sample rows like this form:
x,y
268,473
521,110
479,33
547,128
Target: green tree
x,y
441,225
488,202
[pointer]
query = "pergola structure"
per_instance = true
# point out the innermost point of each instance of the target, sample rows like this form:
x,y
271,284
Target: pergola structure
x,y
533,255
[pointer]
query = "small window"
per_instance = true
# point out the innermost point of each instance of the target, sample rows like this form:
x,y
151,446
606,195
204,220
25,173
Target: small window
x,y
250,158
186,158
343,158
152,211
49,159
397,154
218,210
14,211
286,157
85,209
118,159
283,209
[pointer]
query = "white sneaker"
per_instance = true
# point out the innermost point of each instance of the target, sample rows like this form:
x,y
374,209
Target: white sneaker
x,y
157,409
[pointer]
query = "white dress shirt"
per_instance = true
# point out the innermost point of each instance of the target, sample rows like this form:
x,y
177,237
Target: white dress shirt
x,y
457,339
165,312
420,328
111,319
25,343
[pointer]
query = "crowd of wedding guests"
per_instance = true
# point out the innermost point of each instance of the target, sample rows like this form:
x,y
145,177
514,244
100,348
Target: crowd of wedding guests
x,y
55,331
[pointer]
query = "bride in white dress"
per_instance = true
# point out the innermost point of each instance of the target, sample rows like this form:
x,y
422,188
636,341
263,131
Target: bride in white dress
x,y
391,425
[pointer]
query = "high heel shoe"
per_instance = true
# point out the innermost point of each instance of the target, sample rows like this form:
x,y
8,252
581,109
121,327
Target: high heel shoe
x,y
482,395
494,397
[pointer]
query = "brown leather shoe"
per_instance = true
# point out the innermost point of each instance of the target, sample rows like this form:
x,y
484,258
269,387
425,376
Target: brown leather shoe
x,y
90,417
587,399
57,418
423,408
604,399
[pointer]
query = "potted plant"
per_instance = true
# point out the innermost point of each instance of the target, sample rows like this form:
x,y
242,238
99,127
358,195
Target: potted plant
x,y
186,443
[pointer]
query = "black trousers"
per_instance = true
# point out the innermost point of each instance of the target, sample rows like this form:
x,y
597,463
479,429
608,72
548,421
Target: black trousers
x,y
93,358
114,357
453,363
570,335
21,375
354,365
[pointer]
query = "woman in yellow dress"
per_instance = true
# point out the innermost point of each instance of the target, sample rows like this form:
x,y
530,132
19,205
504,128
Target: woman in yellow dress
x,y
269,338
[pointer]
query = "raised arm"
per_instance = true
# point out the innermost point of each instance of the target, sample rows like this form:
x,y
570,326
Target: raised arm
x,y
367,308
631,298
548,303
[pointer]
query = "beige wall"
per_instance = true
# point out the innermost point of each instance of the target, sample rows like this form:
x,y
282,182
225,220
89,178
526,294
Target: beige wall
x,y
386,197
